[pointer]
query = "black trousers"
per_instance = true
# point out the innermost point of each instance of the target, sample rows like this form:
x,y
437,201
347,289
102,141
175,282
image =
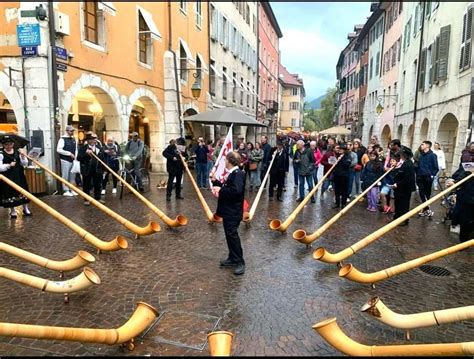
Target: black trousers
x,y
341,186
402,203
169,187
466,221
92,180
276,180
424,184
231,227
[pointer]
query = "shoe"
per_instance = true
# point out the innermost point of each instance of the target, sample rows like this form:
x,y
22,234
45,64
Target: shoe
x,y
240,269
87,203
141,189
279,199
455,229
74,193
372,209
102,201
313,200
429,213
228,263
422,213
436,189
114,191
385,209
67,194
403,224
335,206
27,212
270,198
102,192
168,198
13,214
299,199
179,197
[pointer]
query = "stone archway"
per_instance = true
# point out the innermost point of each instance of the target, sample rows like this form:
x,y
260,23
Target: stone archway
x,y
371,132
447,135
150,124
386,136
111,121
424,131
409,138
16,103
400,132
250,136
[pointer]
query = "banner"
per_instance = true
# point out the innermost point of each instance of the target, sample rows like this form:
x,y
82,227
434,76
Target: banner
x,y
219,167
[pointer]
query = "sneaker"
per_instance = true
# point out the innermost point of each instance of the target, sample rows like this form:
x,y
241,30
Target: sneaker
x,y
74,193
299,199
87,203
103,192
102,201
372,209
422,213
67,194
114,191
313,200
429,213
455,229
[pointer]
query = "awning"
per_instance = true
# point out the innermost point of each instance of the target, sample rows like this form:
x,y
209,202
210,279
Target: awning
x,y
218,74
189,55
107,6
224,116
337,130
148,17
203,63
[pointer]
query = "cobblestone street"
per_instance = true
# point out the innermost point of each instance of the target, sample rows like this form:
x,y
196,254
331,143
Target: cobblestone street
x,y
270,309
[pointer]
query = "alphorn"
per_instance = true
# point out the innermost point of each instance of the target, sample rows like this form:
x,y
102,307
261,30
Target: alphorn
x,y
248,216
210,216
178,221
81,259
115,244
323,255
331,332
300,234
80,282
376,308
277,225
141,318
348,271
220,343
151,228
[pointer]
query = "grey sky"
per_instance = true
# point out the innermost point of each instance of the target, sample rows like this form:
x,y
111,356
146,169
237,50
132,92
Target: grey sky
x,y
314,34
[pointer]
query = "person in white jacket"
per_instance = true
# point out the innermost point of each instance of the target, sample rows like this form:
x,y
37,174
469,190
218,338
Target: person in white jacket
x,y
67,150
441,164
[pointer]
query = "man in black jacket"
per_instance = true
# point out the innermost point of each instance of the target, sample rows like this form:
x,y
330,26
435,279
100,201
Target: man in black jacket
x,y
174,167
404,183
341,175
266,156
277,171
91,169
230,207
425,172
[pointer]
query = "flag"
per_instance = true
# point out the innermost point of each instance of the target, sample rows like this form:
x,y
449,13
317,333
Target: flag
x,y
219,167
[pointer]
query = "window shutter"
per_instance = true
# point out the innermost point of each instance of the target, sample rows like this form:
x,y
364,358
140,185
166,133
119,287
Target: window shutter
x,y
422,70
443,52
436,60
428,8
215,25
220,34
468,43
409,32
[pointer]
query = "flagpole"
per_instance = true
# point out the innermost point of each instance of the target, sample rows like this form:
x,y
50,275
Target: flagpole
x,y
218,158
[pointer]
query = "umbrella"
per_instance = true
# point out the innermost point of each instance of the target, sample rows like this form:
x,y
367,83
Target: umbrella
x,y
224,116
337,130
19,140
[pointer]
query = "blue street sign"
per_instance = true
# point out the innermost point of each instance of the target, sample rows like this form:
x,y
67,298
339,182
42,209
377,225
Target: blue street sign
x,y
28,35
29,51
61,66
61,53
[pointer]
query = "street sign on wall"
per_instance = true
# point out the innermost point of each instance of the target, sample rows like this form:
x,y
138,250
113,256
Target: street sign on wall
x,y
61,53
29,51
28,35
61,66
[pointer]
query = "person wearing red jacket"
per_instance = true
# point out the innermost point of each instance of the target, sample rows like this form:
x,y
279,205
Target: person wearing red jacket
x,y
327,165
318,156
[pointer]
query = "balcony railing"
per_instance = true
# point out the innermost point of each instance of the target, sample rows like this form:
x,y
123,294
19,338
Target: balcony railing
x,y
272,106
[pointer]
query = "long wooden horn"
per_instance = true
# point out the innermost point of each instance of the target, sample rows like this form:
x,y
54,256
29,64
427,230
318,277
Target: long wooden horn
x,y
80,282
220,343
377,309
323,255
300,234
141,318
210,216
331,332
348,271
151,228
81,259
277,225
117,243
248,216
178,221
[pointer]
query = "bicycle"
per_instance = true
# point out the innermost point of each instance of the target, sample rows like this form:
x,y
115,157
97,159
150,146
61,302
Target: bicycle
x,y
127,173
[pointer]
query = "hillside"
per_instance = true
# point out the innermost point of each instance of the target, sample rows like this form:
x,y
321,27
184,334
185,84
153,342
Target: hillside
x,y
316,103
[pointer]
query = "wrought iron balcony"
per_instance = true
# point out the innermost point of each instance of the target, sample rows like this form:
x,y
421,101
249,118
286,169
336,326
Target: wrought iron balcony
x,y
272,106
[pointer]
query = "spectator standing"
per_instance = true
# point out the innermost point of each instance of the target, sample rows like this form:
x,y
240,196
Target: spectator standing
x,y
341,175
244,157
200,153
134,149
266,155
404,184
296,165
91,169
255,166
317,160
277,172
438,151
425,172
210,158
67,150
371,172
326,163
351,168
111,154
306,159
174,167
359,150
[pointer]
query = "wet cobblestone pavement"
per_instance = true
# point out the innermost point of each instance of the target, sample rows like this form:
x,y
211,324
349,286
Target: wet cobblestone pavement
x,y
270,309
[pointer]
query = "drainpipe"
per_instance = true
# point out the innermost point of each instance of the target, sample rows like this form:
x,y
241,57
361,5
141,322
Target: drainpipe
x,y
170,48
418,68
257,70
25,111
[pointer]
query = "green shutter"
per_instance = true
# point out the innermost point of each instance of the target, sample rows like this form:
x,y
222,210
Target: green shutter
x,y
422,70
436,60
443,52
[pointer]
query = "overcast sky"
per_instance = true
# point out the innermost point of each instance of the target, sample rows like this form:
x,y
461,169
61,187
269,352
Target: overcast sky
x,y
314,34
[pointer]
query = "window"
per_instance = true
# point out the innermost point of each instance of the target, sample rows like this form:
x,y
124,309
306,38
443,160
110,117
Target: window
x,y
225,32
443,52
144,40
212,75
247,15
234,88
255,24
377,63
253,97
429,68
198,10
366,74
466,41
248,94
241,91
91,22
183,5
183,61
394,54
294,106
214,31
399,48
422,70
371,66
294,91
224,83
198,69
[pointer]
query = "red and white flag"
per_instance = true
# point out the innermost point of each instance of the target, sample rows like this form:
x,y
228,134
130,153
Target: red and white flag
x,y
219,167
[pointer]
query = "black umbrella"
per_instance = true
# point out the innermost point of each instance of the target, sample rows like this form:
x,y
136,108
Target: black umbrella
x,y
19,140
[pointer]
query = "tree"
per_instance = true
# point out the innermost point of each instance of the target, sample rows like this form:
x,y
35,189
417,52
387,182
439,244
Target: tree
x,y
320,119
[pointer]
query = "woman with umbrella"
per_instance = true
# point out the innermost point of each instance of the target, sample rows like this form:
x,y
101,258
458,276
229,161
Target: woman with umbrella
x,y
11,166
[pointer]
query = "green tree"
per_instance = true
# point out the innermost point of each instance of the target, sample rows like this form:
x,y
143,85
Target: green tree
x,y
322,118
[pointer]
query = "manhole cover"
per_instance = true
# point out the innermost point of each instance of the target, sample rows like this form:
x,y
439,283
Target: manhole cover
x,y
183,329
434,270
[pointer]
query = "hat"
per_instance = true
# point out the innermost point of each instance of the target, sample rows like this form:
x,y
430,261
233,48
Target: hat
x,y
134,134
70,128
180,141
91,136
343,146
7,139
406,152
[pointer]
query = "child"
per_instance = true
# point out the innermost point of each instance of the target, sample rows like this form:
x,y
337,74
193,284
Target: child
x,y
370,173
386,193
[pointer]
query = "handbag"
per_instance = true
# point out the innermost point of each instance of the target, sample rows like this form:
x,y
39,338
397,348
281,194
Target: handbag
x,y
253,166
357,167
76,167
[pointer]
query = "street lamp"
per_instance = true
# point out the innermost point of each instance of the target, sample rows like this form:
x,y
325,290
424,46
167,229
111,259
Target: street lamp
x,y
196,87
379,107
